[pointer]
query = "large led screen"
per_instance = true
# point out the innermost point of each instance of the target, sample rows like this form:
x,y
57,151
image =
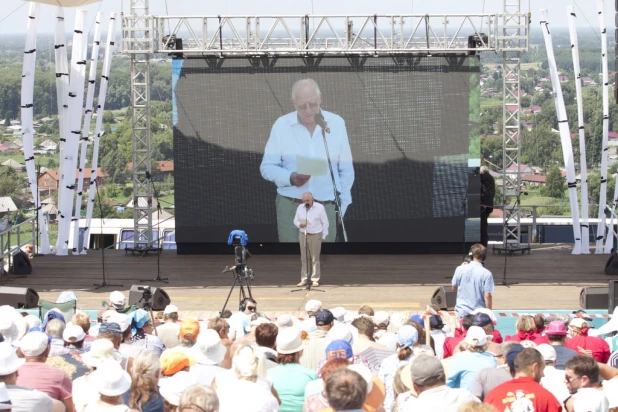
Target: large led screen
x,y
389,143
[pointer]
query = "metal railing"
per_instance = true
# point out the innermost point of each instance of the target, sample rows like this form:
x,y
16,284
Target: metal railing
x,y
13,239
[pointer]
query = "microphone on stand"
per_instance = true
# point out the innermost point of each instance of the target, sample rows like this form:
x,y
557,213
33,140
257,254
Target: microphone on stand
x,y
319,119
307,206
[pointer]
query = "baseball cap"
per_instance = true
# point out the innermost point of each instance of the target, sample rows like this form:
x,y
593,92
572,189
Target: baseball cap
x,y
407,336
578,323
424,368
313,306
512,354
548,352
170,309
121,320
109,327
189,329
324,317
419,319
556,327
481,320
339,349
34,344
488,312
173,362
435,321
476,336
117,299
73,333
338,313
381,318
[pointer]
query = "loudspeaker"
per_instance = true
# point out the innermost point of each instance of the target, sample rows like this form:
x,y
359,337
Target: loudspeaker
x,y
611,266
160,299
21,264
613,295
594,298
444,298
19,298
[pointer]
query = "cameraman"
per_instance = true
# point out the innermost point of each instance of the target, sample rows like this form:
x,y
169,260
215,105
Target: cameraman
x,y
239,321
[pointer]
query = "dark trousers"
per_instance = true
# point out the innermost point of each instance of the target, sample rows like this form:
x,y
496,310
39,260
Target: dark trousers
x,y
484,235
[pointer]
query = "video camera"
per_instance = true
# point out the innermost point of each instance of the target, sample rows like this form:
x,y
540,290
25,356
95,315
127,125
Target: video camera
x,y
146,297
239,239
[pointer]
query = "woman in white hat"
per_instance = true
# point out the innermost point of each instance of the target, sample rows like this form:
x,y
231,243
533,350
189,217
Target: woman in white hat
x,y
101,350
290,378
144,393
111,382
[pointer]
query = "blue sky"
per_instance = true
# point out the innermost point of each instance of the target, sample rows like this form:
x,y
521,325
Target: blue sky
x,y
16,23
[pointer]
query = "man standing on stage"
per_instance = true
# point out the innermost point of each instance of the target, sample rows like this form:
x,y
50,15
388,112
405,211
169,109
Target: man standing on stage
x,y
296,161
488,191
473,283
312,221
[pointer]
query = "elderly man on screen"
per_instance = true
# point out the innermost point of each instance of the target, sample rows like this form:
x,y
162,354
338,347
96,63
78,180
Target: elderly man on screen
x,y
296,161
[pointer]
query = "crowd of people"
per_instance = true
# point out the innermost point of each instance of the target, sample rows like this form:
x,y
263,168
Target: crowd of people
x,y
329,360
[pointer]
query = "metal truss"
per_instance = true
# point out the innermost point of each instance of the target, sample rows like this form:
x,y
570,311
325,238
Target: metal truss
x,y
514,40
307,34
137,37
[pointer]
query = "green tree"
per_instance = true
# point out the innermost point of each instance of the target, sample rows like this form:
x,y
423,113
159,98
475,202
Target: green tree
x,y
11,183
554,185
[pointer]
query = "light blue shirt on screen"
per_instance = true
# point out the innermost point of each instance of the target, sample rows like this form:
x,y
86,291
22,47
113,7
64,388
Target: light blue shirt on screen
x,y
473,281
289,139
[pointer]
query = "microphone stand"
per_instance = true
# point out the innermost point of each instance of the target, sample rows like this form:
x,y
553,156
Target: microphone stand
x,y
338,216
307,277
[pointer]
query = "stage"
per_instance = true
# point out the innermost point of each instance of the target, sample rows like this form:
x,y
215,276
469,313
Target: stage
x,y
549,278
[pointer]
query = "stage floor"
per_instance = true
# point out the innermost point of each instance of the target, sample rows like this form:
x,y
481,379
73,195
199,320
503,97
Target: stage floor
x,y
549,278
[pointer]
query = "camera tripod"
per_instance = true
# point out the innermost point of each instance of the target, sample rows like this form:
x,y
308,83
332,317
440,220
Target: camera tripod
x,y
243,277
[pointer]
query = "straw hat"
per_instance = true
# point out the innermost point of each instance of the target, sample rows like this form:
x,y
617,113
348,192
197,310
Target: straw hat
x,y
289,341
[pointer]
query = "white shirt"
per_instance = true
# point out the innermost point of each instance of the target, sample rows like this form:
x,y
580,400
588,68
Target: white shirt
x,y
590,400
240,395
317,221
289,139
553,381
440,399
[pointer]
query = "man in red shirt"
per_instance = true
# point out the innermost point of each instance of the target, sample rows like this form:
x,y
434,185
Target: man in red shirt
x,y
583,344
451,343
35,374
524,393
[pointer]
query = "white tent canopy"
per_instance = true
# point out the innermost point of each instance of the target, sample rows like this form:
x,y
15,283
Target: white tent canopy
x,y
65,3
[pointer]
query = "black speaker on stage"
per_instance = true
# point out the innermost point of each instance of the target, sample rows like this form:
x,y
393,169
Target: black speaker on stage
x,y
612,295
19,298
594,297
611,266
160,299
21,263
444,298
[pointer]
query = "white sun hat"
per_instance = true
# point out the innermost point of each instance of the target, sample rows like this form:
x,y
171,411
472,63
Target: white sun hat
x,y
33,344
110,380
101,350
210,350
172,388
9,362
73,333
117,299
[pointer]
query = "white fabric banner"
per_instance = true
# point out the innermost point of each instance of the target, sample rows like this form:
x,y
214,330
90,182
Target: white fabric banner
x,y
73,132
62,84
582,138
27,126
604,142
565,134
94,59
107,61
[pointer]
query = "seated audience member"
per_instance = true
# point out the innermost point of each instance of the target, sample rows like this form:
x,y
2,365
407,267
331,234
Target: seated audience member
x,y
117,300
314,391
189,331
54,329
254,396
553,379
36,374
111,332
70,360
209,353
111,382
172,389
438,335
169,330
556,334
526,330
464,366
582,379
451,343
144,392
476,407
346,390
33,321
539,321
376,393
173,362
420,346
581,343
124,322
429,383
74,339
221,326
316,342
489,378
266,339
524,391
312,307
22,399
141,333
365,327
82,320
495,332
407,336
381,335
366,310
289,378
482,320
198,398
101,350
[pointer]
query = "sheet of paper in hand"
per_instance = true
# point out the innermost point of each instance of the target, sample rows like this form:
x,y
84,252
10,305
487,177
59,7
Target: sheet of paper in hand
x,y
311,167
